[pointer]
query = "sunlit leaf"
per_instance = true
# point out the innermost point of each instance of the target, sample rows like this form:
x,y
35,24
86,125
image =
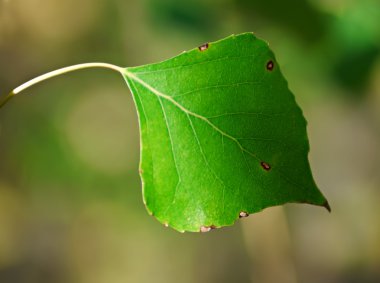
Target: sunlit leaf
x,y
221,135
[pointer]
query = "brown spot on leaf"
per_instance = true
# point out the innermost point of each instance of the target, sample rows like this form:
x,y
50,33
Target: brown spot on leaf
x,y
243,214
203,47
270,65
265,166
166,224
205,229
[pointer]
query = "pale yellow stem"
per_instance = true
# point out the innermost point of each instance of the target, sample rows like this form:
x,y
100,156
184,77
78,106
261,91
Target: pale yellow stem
x,y
58,73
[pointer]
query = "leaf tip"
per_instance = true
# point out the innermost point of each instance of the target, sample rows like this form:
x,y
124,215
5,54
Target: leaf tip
x,y
327,206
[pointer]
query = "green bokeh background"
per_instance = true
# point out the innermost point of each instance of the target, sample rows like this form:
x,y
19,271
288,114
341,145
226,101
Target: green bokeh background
x,y
70,202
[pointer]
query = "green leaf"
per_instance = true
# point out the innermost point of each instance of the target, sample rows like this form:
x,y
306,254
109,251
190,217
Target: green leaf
x,y
221,135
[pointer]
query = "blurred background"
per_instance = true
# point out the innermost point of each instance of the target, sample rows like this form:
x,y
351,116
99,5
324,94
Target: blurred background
x,y
70,196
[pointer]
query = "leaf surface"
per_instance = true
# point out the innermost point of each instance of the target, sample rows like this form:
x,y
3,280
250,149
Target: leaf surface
x,y
221,135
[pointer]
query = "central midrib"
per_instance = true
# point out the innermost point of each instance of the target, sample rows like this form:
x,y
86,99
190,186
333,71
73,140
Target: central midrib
x,y
187,111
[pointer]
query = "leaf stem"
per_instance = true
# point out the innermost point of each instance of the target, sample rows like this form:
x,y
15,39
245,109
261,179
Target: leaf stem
x,y
58,73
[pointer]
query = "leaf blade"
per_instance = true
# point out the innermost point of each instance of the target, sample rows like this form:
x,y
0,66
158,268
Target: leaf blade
x,y
221,135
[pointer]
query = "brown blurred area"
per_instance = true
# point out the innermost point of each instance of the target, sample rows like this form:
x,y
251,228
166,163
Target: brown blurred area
x,y
70,202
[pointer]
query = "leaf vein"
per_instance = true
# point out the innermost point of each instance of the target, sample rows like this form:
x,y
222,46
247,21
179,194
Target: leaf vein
x,y
216,86
206,161
185,110
173,153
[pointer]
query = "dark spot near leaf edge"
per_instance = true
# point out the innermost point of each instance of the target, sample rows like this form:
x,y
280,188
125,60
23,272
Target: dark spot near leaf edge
x,y
270,65
205,229
243,214
203,47
265,166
